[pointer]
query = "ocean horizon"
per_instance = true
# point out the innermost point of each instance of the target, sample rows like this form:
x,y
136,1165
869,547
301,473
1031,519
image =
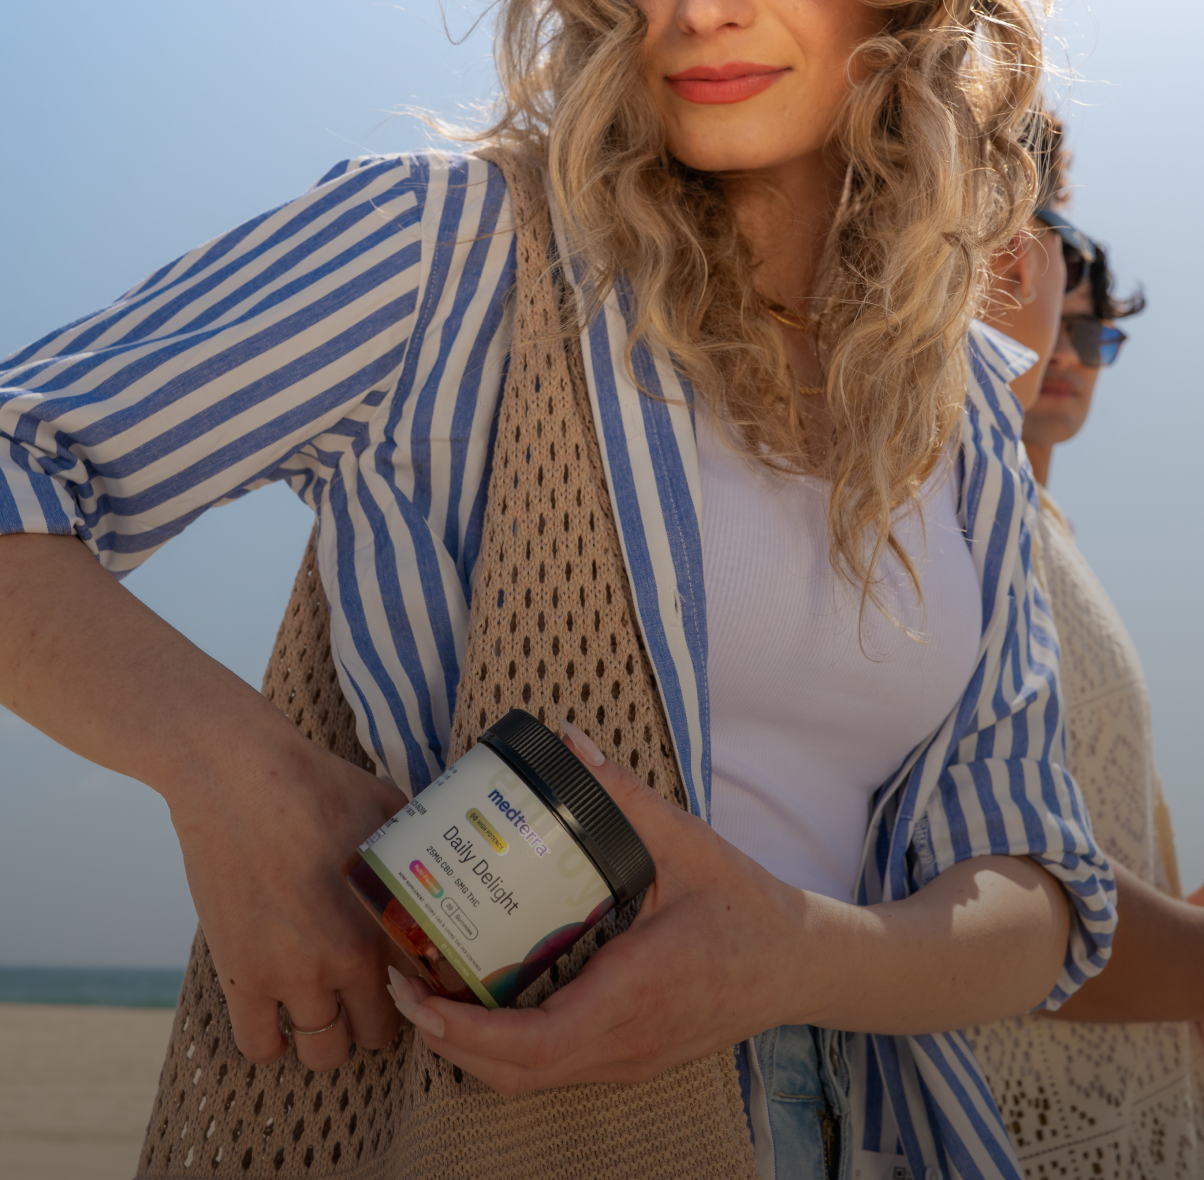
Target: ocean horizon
x,y
112,987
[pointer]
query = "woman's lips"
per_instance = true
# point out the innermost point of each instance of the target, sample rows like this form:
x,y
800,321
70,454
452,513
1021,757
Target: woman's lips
x,y
732,82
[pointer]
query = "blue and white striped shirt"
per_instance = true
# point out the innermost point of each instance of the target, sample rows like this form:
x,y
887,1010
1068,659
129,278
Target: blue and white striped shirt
x,y
354,342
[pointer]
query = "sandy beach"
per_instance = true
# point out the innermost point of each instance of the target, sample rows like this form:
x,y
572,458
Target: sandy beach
x,y
76,1088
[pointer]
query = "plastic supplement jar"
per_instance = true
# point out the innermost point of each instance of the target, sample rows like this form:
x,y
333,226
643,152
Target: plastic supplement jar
x,y
499,866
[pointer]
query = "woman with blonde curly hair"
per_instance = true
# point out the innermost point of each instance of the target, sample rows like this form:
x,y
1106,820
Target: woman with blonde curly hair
x,y
771,228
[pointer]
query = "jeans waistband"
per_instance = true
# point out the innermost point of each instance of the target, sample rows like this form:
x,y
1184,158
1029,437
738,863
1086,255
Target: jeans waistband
x,y
797,1100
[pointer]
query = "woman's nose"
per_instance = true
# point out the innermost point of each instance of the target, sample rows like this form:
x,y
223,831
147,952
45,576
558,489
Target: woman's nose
x,y
702,18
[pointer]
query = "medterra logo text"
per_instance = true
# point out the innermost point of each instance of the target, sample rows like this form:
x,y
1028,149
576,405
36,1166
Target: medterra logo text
x,y
516,817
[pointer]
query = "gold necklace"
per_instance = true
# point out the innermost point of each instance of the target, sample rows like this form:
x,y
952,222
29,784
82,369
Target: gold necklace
x,y
792,319
810,390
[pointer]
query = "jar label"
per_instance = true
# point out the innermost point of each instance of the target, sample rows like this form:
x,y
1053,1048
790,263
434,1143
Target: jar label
x,y
490,874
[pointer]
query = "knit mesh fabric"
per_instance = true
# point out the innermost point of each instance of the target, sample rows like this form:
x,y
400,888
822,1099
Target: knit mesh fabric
x,y
552,630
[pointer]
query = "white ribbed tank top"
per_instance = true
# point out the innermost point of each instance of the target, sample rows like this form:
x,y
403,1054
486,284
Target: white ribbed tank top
x,y
806,721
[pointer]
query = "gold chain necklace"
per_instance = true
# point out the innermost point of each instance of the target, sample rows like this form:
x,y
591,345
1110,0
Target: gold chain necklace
x,y
792,319
800,323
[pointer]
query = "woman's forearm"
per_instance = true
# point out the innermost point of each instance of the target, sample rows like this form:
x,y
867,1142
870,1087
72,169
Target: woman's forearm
x,y
1157,966
83,660
986,939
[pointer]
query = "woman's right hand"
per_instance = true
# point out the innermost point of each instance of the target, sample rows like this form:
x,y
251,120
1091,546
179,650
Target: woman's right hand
x,y
264,850
265,817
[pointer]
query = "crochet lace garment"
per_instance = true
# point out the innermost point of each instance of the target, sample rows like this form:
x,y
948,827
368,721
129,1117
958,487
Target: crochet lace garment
x,y
552,629
1099,1101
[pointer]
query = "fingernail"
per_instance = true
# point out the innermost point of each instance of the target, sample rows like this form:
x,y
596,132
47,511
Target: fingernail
x,y
401,991
429,1021
588,751
403,996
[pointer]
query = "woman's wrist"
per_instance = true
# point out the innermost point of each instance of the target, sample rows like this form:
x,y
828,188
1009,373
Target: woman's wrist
x,y
811,953
240,746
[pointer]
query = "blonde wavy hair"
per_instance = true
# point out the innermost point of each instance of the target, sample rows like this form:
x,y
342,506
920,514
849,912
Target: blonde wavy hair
x,y
937,181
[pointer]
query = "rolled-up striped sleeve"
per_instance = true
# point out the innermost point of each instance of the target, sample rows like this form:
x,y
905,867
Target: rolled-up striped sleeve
x,y
1007,792
1003,788
203,381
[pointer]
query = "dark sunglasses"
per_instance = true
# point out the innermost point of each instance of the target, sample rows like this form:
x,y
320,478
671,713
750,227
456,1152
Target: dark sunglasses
x,y
1077,248
1095,342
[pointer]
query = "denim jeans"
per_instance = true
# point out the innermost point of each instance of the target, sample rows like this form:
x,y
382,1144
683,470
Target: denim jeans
x,y
797,1098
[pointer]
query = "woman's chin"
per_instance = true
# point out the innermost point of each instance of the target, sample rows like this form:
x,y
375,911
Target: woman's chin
x,y
728,155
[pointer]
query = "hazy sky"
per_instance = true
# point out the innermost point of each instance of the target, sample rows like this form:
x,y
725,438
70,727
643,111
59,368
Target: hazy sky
x,y
134,130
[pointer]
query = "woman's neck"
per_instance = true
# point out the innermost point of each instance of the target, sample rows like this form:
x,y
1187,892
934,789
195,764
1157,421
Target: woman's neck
x,y
785,213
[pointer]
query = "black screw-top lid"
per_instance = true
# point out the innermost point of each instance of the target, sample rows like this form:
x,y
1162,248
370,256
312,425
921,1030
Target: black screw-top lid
x,y
558,776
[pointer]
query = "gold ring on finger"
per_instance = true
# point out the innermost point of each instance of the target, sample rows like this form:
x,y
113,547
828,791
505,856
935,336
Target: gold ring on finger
x,y
313,1032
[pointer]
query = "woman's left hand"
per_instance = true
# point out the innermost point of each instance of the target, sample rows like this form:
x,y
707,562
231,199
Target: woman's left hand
x,y
693,974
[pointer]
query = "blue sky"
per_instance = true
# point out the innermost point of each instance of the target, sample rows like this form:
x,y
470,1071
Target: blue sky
x,y
134,130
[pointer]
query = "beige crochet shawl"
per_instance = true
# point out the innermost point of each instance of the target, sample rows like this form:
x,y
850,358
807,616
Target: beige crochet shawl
x,y
1100,1101
565,643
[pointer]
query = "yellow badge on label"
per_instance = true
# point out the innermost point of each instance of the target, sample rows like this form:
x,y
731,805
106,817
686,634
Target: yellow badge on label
x,y
483,826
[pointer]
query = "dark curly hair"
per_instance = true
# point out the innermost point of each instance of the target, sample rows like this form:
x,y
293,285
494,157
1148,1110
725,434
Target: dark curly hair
x,y
1104,303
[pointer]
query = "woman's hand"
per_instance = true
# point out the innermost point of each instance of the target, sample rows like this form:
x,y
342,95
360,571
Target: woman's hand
x,y
263,849
722,950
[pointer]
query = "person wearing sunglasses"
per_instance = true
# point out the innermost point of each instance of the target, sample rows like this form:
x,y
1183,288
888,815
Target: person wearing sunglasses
x,y
1087,341
1107,1088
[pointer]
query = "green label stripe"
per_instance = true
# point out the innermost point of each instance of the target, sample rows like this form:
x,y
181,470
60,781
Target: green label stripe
x,y
415,910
